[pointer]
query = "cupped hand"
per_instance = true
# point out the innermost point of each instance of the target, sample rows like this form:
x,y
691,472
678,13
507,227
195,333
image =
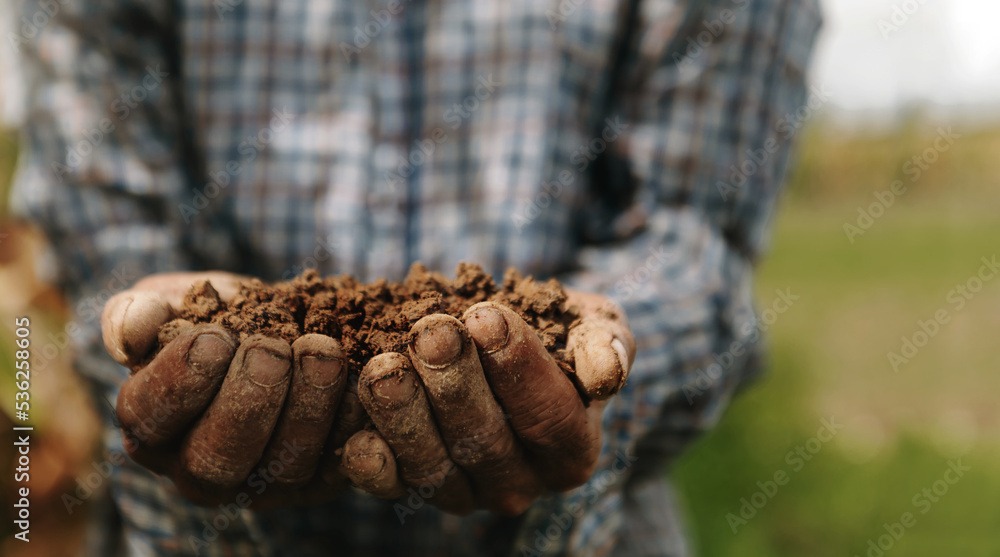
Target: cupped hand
x,y
475,415
478,415
221,417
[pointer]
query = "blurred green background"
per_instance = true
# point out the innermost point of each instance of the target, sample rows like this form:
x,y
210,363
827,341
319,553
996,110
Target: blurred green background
x,y
829,351
829,359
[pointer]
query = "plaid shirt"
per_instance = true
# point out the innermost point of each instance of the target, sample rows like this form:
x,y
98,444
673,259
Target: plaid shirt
x,y
630,148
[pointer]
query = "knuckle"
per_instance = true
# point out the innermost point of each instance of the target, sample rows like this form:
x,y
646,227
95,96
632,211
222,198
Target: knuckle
x,y
484,448
137,431
563,420
432,474
211,468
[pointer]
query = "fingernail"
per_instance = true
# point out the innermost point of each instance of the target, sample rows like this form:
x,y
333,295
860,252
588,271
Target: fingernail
x,y
366,464
208,351
141,321
394,388
489,328
438,345
265,368
320,372
619,347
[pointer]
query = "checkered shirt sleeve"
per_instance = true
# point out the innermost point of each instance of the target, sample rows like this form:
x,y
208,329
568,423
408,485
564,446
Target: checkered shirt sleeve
x,y
634,148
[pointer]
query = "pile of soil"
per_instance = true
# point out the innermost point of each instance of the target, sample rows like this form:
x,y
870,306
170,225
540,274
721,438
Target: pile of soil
x,y
370,319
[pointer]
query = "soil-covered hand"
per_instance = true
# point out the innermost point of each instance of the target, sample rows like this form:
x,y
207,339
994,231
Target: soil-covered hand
x,y
478,415
222,418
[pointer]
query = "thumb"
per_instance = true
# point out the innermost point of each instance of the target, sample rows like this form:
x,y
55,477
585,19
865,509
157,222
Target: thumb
x,y
130,323
603,350
131,320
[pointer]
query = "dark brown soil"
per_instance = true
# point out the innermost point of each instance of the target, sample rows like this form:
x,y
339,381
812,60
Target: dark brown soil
x,y
369,319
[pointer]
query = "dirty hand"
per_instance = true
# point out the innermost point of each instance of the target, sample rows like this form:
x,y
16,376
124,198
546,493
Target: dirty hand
x,y
478,414
222,418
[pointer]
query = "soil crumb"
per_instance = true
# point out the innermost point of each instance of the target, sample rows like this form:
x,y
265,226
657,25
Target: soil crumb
x,y
370,319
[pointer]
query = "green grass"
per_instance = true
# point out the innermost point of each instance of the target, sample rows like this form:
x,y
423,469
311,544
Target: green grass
x,y
8,159
828,358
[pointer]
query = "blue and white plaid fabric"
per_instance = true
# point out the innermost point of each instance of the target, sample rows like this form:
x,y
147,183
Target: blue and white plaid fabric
x,y
631,148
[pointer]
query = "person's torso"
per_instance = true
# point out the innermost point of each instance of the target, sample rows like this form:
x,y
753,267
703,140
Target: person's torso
x,y
360,137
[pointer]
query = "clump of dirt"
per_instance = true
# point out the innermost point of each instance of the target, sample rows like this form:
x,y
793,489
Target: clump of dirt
x,y
370,319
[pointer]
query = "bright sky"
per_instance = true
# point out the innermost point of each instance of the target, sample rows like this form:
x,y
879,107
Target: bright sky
x,y
946,52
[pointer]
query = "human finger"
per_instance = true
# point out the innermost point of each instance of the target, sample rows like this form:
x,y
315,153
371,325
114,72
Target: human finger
x,y
229,439
317,384
157,405
369,463
545,410
392,394
130,324
471,422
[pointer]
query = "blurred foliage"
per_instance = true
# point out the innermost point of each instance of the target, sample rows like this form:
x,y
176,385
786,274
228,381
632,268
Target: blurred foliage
x,y
65,425
829,358
8,159
844,165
